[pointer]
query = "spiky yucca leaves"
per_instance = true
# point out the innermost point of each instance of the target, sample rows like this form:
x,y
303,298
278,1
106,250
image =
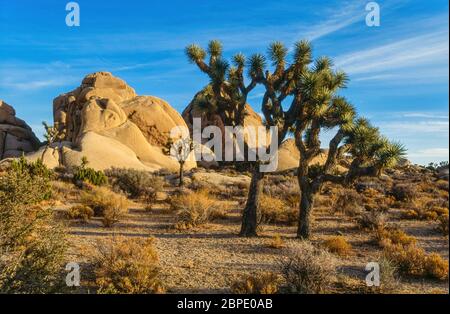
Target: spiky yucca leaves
x,y
226,95
389,154
256,65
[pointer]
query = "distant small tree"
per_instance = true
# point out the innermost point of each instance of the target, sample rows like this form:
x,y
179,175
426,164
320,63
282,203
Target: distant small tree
x,y
180,150
51,136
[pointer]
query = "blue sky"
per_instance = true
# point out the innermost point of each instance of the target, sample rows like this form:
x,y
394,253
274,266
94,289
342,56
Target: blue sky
x,y
398,71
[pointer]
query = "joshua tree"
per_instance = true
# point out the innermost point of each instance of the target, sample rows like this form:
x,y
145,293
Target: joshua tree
x,y
51,136
226,94
180,150
355,139
314,106
279,84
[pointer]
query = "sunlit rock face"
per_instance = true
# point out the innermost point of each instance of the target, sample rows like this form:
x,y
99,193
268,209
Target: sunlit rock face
x,y
106,121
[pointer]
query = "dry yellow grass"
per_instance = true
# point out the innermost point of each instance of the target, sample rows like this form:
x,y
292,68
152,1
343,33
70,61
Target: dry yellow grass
x,y
105,203
393,236
195,209
276,242
276,211
127,266
337,245
81,212
263,283
413,261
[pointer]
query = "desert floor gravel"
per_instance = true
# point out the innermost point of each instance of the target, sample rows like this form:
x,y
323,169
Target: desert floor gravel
x,y
209,259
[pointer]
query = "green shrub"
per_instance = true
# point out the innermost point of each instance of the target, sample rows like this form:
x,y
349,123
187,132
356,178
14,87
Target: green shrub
x,y
36,168
35,171
86,174
136,183
32,243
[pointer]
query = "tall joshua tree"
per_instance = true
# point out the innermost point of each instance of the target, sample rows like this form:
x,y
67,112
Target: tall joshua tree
x,y
355,138
226,96
279,84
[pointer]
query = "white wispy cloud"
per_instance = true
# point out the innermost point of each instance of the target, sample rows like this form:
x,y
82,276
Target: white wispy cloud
x,y
39,84
436,153
416,127
429,49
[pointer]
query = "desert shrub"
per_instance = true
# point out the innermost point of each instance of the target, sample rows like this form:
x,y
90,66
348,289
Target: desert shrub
x,y
436,267
348,202
308,269
276,242
324,201
393,235
35,169
105,203
136,183
426,210
388,274
409,259
81,212
337,245
262,283
32,243
443,225
372,220
413,261
127,266
287,190
404,192
83,173
442,185
195,209
274,210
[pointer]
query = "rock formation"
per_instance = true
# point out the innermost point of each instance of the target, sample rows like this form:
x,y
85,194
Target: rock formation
x,y
16,137
104,120
252,119
289,156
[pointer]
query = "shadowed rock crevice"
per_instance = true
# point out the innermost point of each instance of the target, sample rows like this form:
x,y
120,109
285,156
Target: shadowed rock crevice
x,y
16,137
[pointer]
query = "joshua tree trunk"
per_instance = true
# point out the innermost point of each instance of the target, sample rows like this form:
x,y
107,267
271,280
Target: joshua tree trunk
x,y
306,204
181,174
250,214
43,153
306,200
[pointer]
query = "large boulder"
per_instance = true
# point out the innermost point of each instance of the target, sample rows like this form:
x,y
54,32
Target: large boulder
x,y
16,137
105,121
289,157
251,119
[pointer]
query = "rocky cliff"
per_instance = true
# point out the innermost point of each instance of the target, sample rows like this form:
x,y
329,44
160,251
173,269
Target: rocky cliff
x,y
16,137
